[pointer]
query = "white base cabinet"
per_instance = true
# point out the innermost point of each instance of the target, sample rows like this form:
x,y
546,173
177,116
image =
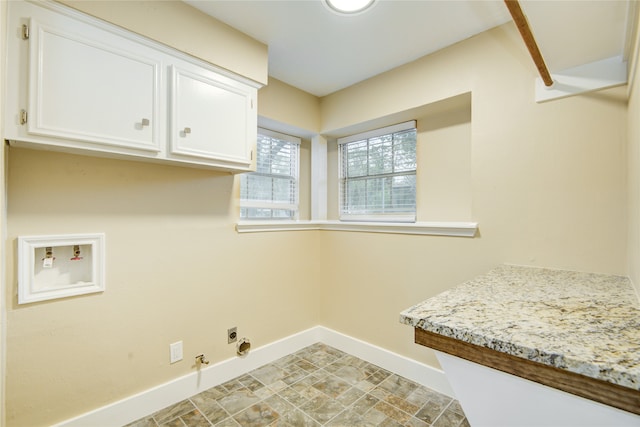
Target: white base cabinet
x,y
491,398
81,85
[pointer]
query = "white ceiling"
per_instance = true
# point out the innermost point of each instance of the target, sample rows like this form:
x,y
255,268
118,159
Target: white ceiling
x,y
320,52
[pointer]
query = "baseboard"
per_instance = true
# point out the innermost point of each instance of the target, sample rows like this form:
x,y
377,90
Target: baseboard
x,y
149,401
393,362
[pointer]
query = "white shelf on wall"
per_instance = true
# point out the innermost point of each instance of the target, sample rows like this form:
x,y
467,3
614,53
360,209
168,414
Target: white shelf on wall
x,y
430,228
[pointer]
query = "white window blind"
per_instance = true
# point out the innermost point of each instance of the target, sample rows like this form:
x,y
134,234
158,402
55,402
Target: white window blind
x,y
271,192
378,174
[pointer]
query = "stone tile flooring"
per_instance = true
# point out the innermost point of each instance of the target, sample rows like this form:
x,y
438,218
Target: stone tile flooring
x,y
316,386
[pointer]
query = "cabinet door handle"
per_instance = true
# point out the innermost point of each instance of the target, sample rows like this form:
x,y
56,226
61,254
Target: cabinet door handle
x,y
145,122
187,131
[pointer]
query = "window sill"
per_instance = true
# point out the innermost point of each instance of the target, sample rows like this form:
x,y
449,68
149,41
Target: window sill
x,y
430,228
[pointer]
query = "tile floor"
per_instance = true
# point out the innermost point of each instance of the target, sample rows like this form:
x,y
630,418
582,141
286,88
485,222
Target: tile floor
x,y
316,386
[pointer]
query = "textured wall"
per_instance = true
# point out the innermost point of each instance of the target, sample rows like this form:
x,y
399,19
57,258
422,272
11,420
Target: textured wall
x,y
633,242
548,185
546,182
176,268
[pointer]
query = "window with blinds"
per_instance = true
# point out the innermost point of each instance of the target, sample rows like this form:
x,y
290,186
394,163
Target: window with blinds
x,y
271,192
378,174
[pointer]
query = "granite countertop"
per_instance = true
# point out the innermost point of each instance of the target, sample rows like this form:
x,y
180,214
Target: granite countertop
x,y
581,322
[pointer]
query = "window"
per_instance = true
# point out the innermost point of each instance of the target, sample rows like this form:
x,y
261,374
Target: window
x,y
378,174
271,192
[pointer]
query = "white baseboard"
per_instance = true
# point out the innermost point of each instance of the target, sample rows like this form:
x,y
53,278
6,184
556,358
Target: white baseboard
x,y
409,368
149,401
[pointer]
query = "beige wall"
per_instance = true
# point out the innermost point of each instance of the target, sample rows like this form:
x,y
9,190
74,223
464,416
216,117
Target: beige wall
x,y
633,246
546,182
444,155
548,186
176,268
3,210
291,109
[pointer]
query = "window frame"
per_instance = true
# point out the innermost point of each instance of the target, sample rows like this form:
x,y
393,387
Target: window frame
x,y
372,216
270,204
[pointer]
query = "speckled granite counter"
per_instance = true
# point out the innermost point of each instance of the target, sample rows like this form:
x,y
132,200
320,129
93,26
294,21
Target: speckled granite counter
x,y
584,323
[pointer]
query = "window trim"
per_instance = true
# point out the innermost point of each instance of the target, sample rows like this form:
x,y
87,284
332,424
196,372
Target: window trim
x,y
275,205
372,217
318,222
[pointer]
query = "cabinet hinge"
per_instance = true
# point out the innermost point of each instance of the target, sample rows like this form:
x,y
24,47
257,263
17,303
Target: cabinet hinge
x,y
25,32
251,155
23,117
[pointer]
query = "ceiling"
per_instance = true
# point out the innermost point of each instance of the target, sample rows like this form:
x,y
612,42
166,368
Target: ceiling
x,y
320,52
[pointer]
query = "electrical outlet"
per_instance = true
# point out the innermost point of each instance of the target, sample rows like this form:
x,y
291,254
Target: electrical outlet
x,y
175,351
232,335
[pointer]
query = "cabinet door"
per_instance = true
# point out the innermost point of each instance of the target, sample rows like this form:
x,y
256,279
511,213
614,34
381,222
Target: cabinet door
x,y
212,118
89,90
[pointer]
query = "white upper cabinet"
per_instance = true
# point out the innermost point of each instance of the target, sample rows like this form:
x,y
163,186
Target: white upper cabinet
x,y
81,85
204,104
85,90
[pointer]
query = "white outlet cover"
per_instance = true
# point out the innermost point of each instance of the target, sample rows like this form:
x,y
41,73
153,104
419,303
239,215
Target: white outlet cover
x,y
175,352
